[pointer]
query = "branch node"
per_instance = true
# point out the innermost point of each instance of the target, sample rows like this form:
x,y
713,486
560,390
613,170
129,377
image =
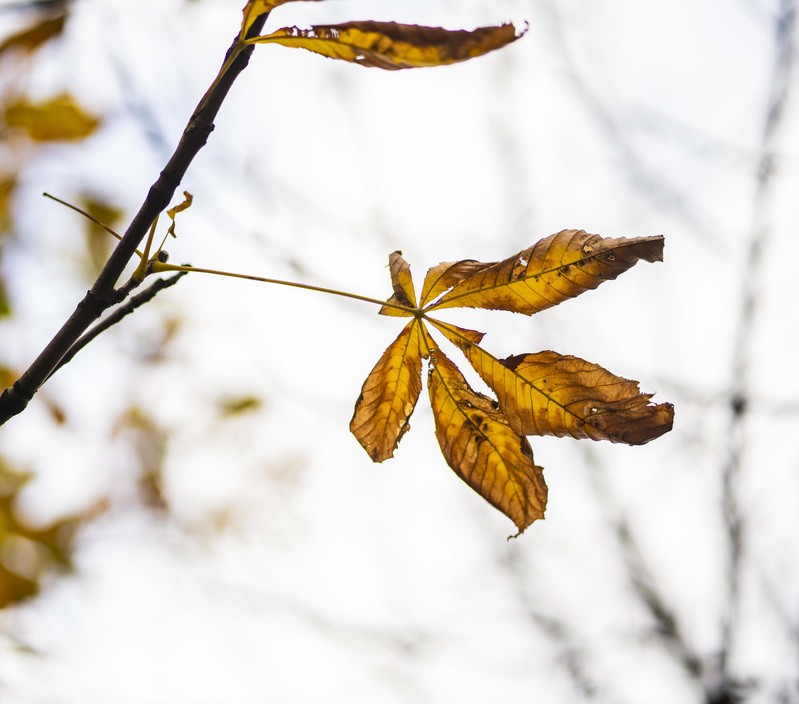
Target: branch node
x,y
13,401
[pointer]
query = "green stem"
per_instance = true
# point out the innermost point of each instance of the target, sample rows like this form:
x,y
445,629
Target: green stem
x,y
158,267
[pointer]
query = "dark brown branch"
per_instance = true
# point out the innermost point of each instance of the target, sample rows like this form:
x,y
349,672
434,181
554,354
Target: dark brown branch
x,y
123,311
103,294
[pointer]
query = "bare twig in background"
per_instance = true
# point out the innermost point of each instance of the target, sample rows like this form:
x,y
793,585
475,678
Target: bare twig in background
x,y
640,176
567,653
752,280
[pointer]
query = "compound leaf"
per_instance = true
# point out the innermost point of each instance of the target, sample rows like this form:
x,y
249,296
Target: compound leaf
x,y
482,439
392,46
555,269
389,395
481,447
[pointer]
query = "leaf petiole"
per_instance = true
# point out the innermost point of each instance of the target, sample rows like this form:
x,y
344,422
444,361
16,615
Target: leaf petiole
x,y
235,50
141,270
157,267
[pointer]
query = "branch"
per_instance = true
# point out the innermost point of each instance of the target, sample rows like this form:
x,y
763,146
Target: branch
x,y
123,311
103,294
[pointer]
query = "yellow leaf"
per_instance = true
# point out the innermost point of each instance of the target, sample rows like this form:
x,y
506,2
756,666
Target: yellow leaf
x,y
34,36
188,199
389,396
555,269
254,9
402,282
389,45
481,447
552,394
60,118
445,275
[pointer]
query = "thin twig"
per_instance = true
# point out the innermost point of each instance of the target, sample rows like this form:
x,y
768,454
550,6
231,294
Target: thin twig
x,y
665,618
569,654
740,397
643,178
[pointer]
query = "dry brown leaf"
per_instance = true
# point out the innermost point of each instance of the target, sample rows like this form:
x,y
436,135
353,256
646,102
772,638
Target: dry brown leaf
x,y
481,447
555,269
58,119
392,46
552,394
389,396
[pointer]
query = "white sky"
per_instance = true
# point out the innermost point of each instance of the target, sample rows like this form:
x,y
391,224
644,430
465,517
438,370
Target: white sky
x,y
339,580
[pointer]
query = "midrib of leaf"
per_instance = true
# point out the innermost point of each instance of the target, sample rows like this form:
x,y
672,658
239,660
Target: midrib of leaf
x,y
526,382
398,372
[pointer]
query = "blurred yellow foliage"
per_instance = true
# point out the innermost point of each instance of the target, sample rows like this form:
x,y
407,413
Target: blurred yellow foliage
x,y
57,119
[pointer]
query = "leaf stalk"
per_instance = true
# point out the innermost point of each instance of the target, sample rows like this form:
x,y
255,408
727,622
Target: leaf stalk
x,y
157,267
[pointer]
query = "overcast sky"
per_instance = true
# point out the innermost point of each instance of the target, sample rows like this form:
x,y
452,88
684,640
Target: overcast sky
x,y
290,568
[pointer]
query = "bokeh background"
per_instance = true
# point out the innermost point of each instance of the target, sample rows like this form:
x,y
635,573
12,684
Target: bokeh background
x,y
184,516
